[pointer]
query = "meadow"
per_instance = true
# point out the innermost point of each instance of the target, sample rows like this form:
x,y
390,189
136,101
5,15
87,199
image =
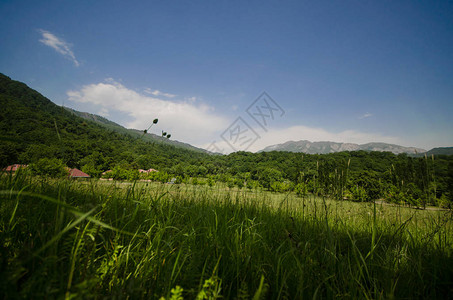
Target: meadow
x,y
98,239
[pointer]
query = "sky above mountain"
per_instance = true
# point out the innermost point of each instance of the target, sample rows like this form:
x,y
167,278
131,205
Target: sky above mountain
x,y
343,71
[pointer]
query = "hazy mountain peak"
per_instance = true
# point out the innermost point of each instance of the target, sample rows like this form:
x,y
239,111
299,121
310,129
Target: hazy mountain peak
x,y
324,147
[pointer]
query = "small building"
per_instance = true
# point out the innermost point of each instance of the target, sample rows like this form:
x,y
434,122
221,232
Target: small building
x,y
147,171
14,168
76,173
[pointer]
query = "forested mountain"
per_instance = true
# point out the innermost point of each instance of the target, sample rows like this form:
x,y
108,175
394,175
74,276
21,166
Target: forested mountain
x,y
150,137
33,127
332,147
440,151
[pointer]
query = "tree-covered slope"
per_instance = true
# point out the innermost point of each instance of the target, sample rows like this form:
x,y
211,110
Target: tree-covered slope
x,y
440,151
33,127
149,137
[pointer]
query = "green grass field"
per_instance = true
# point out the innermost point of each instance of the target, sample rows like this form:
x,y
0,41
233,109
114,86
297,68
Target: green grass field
x,y
104,239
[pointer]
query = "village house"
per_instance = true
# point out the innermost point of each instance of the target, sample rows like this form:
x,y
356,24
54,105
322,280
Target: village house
x,y
73,173
14,168
147,171
76,173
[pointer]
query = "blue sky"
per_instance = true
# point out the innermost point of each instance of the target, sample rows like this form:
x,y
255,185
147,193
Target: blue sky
x,y
345,71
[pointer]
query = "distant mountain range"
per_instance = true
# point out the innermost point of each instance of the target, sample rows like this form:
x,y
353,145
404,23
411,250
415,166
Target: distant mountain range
x,y
331,147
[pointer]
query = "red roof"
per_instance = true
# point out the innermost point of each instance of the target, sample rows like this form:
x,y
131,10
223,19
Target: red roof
x,y
76,173
15,167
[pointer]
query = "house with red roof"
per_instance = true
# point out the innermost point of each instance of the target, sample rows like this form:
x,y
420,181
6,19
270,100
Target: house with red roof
x,y
76,173
73,173
14,168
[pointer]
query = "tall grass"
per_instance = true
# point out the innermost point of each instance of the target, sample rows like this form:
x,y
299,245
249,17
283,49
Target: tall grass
x,y
62,238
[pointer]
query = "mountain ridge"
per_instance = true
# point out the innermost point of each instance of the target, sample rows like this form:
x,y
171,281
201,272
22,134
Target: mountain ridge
x,y
324,147
149,137
440,151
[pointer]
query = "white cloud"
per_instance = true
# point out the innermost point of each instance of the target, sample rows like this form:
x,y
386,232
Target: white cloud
x,y
184,120
59,45
366,115
158,93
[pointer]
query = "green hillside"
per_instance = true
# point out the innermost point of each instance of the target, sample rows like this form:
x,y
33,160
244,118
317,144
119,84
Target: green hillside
x,y
33,127
149,137
441,151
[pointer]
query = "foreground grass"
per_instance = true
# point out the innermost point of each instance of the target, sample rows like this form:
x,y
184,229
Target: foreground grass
x,y
136,240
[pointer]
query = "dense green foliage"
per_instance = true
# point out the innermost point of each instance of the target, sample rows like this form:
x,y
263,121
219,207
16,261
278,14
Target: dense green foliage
x,y
358,176
98,239
33,128
48,167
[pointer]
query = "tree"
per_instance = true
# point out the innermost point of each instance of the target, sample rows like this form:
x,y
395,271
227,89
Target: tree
x,y
269,176
211,182
92,170
119,173
301,189
93,164
202,171
51,167
450,181
359,194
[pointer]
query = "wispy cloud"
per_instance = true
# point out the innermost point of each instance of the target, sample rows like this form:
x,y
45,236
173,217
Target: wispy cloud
x,y
59,45
158,93
366,115
186,120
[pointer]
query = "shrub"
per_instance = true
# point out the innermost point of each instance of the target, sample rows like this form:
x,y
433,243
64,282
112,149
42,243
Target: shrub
x,y
51,167
92,170
444,202
211,182
359,194
301,189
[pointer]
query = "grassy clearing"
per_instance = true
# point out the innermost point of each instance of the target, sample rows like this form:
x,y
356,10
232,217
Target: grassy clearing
x,y
144,240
